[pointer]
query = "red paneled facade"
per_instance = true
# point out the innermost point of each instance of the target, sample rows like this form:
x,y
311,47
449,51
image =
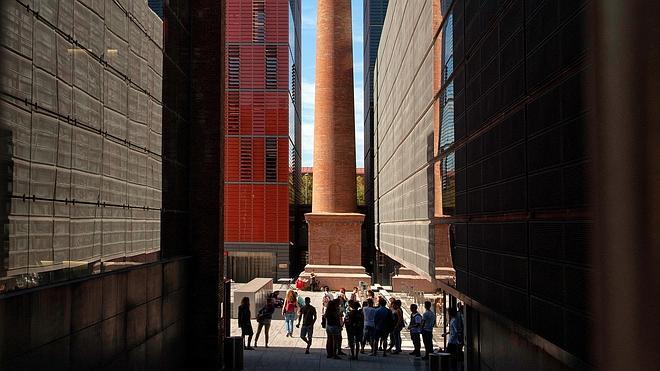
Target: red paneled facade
x,y
261,134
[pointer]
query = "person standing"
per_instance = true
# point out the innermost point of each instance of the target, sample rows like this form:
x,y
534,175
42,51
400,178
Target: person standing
x,y
312,281
244,322
382,321
354,328
455,341
415,328
264,317
343,300
390,306
439,305
355,295
327,298
368,311
308,316
398,326
428,319
332,328
289,310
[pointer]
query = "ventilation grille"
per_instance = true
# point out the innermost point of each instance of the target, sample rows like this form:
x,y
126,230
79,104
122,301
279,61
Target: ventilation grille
x,y
271,67
246,159
271,159
258,21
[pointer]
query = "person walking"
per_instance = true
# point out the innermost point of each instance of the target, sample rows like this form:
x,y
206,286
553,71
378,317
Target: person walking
x,y
398,326
368,311
332,328
300,299
428,320
415,328
382,321
264,317
354,328
244,322
308,317
289,310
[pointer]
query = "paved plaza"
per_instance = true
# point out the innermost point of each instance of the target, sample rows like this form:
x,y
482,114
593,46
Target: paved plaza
x,y
284,353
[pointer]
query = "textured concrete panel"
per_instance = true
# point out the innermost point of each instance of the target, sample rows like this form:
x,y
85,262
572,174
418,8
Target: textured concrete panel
x,y
403,137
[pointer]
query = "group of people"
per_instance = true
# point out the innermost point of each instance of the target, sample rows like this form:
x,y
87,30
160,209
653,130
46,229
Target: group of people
x,y
292,306
375,321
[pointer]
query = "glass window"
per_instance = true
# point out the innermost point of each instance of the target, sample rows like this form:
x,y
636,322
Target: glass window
x,y
448,48
448,170
447,117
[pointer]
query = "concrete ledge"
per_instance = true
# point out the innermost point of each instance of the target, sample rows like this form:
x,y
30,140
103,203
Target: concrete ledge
x,y
334,269
337,276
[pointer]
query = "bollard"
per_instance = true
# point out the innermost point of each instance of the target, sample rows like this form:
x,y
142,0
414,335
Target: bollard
x,y
234,353
439,361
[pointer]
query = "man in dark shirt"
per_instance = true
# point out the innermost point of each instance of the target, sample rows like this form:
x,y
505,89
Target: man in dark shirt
x,y
382,321
308,317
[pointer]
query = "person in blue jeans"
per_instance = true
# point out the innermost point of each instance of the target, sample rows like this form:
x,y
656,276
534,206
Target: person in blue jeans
x,y
289,310
382,320
428,319
369,312
415,328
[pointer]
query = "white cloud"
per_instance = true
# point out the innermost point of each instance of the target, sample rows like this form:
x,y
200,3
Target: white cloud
x,y
307,93
359,123
308,21
358,67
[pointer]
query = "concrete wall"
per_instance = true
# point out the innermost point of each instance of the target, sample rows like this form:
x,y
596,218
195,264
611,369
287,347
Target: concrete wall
x,y
81,92
132,317
403,136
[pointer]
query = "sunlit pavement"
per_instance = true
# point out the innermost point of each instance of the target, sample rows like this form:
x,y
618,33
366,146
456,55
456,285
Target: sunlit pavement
x,y
284,353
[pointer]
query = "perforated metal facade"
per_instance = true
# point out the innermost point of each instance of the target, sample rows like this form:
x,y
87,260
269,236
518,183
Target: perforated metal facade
x,y
81,98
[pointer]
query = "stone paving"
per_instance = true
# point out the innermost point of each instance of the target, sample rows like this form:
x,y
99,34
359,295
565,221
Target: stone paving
x,y
286,353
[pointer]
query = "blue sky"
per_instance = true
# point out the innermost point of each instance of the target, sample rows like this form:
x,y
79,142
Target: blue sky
x,y
308,77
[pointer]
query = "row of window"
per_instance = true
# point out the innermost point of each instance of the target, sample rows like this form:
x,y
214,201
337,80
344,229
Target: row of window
x,y
246,159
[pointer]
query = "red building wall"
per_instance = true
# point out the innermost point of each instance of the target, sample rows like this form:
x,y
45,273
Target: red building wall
x,y
257,112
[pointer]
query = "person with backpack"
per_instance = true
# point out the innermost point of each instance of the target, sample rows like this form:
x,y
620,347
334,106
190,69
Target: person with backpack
x,y
289,310
383,322
264,317
428,319
415,328
354,328
244,321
